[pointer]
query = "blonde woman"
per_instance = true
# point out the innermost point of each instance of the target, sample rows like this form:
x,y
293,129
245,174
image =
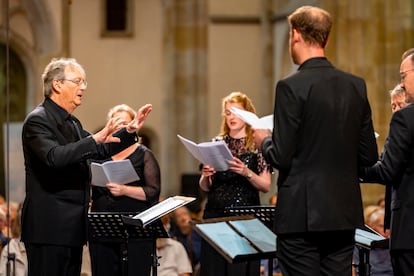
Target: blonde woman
x,y
107,257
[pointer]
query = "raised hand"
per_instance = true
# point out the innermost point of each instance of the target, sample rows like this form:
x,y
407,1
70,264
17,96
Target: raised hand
x,y
142,113
105,135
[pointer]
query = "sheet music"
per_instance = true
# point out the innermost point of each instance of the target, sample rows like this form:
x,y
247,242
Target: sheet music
x,y
252,119
115,171
162,208
214,153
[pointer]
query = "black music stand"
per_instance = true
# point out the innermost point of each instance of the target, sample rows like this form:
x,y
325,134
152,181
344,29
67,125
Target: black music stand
x,y
265,213
146,220
236,238
367,239
110,227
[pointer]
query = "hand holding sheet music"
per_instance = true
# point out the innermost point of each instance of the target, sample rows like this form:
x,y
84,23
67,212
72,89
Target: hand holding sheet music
x,y
250,118
214,153
116,171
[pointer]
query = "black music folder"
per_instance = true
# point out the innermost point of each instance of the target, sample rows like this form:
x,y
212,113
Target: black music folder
x,y
239,238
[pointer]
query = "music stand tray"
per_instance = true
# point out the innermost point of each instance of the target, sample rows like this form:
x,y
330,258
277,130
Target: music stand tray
x,y
238,238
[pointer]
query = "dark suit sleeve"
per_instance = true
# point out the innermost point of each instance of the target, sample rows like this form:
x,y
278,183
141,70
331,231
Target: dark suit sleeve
x,y
50,146
367,150
394,157
47,143
279,150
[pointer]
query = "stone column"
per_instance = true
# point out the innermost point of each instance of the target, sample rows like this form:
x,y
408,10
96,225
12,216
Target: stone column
x,y
185,47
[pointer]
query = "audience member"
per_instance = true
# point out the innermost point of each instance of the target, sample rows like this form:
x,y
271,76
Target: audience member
x,y
56,152
394,169
273,199
185,233
322,133
172,256
4,239
10,209
173,259
368,210
397,96
381,201
248,175
379,258
13,255
108,258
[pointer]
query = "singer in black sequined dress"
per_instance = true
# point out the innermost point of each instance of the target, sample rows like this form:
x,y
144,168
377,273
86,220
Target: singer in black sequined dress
x,y
248,175
230,189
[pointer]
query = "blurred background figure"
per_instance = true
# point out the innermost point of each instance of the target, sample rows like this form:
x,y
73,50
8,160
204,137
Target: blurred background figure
x,y
4,239
172,257
379,258
17,264
273,199
397,96
184,232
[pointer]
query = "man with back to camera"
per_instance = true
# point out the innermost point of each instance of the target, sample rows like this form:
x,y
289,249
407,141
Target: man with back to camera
x,y
56,149
322,134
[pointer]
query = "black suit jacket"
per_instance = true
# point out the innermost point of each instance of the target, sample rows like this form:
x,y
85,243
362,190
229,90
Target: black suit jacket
x,y
57,176
396,170
322,133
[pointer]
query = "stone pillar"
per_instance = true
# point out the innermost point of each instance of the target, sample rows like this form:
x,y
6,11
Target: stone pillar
x,y
184,105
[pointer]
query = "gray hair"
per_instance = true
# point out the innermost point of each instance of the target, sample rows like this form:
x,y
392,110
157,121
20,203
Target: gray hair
x,y
397,90
376,215
55,70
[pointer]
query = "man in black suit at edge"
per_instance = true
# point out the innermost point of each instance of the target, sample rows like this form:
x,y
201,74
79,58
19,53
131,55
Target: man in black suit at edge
x,y
322,134
396,170
56,149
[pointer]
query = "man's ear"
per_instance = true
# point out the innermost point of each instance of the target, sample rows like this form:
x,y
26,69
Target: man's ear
x,y
56,84
296,35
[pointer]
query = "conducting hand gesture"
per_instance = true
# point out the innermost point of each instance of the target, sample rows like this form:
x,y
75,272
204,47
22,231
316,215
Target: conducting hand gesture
x,y
140,117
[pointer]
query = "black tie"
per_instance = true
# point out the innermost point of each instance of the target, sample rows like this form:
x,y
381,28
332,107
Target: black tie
x,y
75,127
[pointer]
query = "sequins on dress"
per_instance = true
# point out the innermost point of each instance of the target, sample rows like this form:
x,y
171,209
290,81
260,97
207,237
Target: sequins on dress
x,y
230,189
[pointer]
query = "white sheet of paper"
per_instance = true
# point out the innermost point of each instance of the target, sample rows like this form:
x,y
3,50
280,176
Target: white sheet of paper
x,y
214,153
116,171
253,120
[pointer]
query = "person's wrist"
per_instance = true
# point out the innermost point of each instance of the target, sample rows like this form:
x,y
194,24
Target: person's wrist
x,y
248,174
97,138
130,129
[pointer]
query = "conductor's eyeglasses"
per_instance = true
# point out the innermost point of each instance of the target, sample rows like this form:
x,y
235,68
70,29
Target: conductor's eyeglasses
x,y
78,82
